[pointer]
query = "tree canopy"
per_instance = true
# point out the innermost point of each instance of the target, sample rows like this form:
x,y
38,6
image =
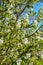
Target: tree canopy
x,y
21,43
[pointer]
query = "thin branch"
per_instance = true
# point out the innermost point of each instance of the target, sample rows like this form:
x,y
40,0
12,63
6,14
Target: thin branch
x,y
40,24
21,11
28,47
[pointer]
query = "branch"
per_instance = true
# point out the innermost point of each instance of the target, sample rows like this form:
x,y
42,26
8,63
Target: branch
x,y
28,47
21,11
39,26
25,50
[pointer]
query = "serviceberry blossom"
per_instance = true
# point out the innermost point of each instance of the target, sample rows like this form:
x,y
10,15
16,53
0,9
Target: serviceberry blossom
x,y
35,22
18,25
41,56
19,61
28,55
25,41
27,18
1,41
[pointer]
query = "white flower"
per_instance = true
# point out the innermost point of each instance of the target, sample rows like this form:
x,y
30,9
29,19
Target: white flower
x,y
41,38
10,0
27,18
19,61
14,35
18,25
24,30
41,9
11,5
41,56
8,30
38,37
28,55
25,41
10,12
31,63
19,44
1,40
35,22
31,9
12,28
6,23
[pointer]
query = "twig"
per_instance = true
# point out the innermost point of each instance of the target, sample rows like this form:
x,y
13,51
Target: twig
x,y
21,11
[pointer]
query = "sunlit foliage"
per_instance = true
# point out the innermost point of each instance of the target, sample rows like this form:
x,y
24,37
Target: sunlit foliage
x,y
21,43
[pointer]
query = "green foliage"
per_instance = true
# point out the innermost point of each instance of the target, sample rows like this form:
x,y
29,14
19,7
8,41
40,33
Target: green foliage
x,y
17,45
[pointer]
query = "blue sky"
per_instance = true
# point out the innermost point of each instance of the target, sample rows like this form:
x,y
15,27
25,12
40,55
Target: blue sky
x,y
37,6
